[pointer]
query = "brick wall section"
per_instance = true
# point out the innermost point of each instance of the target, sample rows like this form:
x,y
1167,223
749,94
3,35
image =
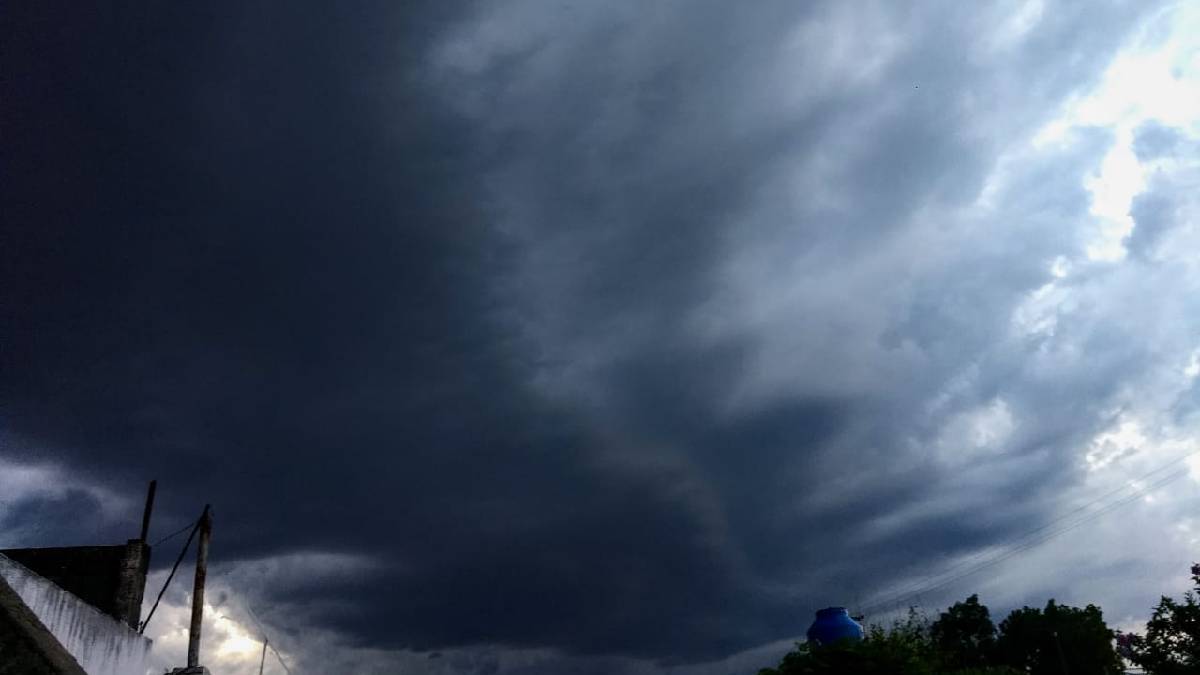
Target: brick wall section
x,y
127,601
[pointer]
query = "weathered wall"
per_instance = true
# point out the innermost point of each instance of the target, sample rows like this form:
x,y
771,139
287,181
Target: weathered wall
x,y
131,584
110,578
26,646
99,643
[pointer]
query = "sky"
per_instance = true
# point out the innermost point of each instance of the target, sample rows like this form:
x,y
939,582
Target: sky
x,y
603,337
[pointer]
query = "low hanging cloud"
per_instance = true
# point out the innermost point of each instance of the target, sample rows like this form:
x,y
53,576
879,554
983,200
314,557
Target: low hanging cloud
x,y
522,338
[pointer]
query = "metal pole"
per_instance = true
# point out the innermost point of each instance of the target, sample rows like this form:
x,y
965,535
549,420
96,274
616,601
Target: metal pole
x,y
198,590
263,661
149,509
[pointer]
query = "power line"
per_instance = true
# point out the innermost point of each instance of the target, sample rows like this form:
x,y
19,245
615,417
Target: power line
x,y
254,617
1016,540
1032,543
170,576
1004,555
266,639
174,534
1052,535
280,657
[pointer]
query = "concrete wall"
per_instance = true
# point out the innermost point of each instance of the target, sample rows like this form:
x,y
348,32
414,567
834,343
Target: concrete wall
x,y
99,643
109,578
26,646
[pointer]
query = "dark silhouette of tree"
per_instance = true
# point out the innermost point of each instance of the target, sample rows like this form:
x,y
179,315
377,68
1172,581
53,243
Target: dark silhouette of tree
x,y
863,658
1171,645
964,635
903,649
1059,640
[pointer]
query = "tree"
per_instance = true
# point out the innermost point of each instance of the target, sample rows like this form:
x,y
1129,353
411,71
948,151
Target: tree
x,y
1058,640
901,650
1171,645
964,635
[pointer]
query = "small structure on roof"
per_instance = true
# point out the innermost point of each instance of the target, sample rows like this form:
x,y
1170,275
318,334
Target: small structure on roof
x,y
76,610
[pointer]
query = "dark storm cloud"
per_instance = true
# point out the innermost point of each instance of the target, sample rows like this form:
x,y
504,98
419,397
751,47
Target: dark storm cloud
x,y
457,292
620,319
54,520
272,293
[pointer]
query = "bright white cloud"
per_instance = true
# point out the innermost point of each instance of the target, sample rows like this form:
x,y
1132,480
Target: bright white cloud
x,y
1157,78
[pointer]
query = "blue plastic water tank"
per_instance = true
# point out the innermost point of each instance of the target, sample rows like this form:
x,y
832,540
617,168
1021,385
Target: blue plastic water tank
x,y
833,624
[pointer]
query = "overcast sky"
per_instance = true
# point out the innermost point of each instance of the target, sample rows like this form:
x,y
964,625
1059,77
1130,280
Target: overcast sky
x,y
603,337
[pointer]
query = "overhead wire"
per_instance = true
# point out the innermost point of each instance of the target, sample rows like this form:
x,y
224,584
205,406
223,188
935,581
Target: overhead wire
x,y
280,657
195,526
1064,530
942,580
174,568
1016,540
266,638
174,534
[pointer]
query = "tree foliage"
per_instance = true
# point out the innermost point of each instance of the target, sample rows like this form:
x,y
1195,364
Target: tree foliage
x,y
1057,640
905,648
964,635
964,641
1171,645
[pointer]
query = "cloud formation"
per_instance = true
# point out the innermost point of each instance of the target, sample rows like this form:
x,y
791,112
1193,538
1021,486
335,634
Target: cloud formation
x,y
599,335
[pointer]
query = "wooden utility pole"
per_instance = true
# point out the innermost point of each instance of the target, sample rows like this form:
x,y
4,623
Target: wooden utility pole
x,y
263,661
149,509
198,590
